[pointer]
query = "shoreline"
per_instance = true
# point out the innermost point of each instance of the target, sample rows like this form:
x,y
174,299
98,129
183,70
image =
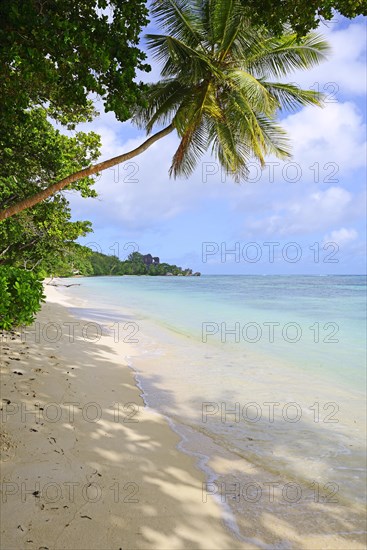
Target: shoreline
x,y
201,521
73,480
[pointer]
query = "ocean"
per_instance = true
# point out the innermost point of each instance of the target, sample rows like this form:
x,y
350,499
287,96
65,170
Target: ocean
x,y
263,377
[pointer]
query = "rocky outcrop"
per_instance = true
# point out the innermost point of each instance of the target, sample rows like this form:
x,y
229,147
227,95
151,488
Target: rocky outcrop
x,y
148,259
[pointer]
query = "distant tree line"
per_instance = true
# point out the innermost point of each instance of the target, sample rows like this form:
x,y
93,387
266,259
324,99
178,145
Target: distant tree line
x,y
88,263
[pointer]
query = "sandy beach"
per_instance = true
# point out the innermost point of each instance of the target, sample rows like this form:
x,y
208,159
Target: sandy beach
x,y
86,465
83,464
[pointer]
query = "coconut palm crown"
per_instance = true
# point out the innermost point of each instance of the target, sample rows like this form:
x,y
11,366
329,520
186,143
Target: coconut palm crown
x,y
217,89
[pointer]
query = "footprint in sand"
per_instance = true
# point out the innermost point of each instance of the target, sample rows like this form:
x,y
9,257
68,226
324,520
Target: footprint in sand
x,y
7,447
40,370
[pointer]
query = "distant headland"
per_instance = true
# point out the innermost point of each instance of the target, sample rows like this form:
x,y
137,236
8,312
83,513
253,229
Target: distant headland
x,y
94,264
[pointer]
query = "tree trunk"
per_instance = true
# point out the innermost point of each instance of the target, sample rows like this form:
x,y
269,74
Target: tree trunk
x,y
55,187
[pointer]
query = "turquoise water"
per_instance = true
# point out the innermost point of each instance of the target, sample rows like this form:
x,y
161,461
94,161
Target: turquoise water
x,y
321,320
264,373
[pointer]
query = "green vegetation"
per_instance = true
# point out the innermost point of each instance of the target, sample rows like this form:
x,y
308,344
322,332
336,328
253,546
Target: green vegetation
x,y
21,295
39,240
60,51
301,15
53,55
33,155
96,264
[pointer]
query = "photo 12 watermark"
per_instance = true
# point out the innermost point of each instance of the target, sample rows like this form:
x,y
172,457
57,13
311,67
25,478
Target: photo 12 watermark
x,y
269,251
121,250
275,172
272,492
68,412
74,331
268,332
127,173
69,491
268,411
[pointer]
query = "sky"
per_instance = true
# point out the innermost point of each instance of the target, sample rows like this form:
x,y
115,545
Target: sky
x,y
302,216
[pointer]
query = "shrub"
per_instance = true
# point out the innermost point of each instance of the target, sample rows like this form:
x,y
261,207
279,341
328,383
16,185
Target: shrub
x,y
21,295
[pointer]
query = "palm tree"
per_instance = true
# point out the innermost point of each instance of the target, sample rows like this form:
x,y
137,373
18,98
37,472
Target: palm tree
x,y
216,89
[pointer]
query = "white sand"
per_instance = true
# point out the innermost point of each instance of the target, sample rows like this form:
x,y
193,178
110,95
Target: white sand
x,y
108,483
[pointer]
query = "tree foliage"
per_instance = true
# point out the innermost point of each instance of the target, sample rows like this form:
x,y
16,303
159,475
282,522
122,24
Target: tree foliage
x,y
301,15
73,259
53,55
21,296
35,154
59,51
103,264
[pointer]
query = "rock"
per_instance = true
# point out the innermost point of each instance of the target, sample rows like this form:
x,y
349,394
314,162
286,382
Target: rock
x,y
147,259
196,274
169,274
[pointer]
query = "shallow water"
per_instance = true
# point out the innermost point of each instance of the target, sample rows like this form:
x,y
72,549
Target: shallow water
x,y
262,376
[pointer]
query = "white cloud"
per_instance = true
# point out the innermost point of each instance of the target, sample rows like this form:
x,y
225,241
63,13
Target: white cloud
x,y
345,67
329,154
341,236
139,193
317,211
335,134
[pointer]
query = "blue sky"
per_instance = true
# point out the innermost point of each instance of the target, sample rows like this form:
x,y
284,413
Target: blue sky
x,y
306,215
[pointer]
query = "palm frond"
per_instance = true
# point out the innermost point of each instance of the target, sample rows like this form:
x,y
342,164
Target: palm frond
x,y
182,19
219,17
280,56
257,95
193,145
190,123
163,99
236,34
177,57
291,97
275,138
233,155
243,121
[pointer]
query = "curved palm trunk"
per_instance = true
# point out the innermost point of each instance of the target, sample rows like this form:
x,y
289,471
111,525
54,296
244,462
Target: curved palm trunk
x,y
55,187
